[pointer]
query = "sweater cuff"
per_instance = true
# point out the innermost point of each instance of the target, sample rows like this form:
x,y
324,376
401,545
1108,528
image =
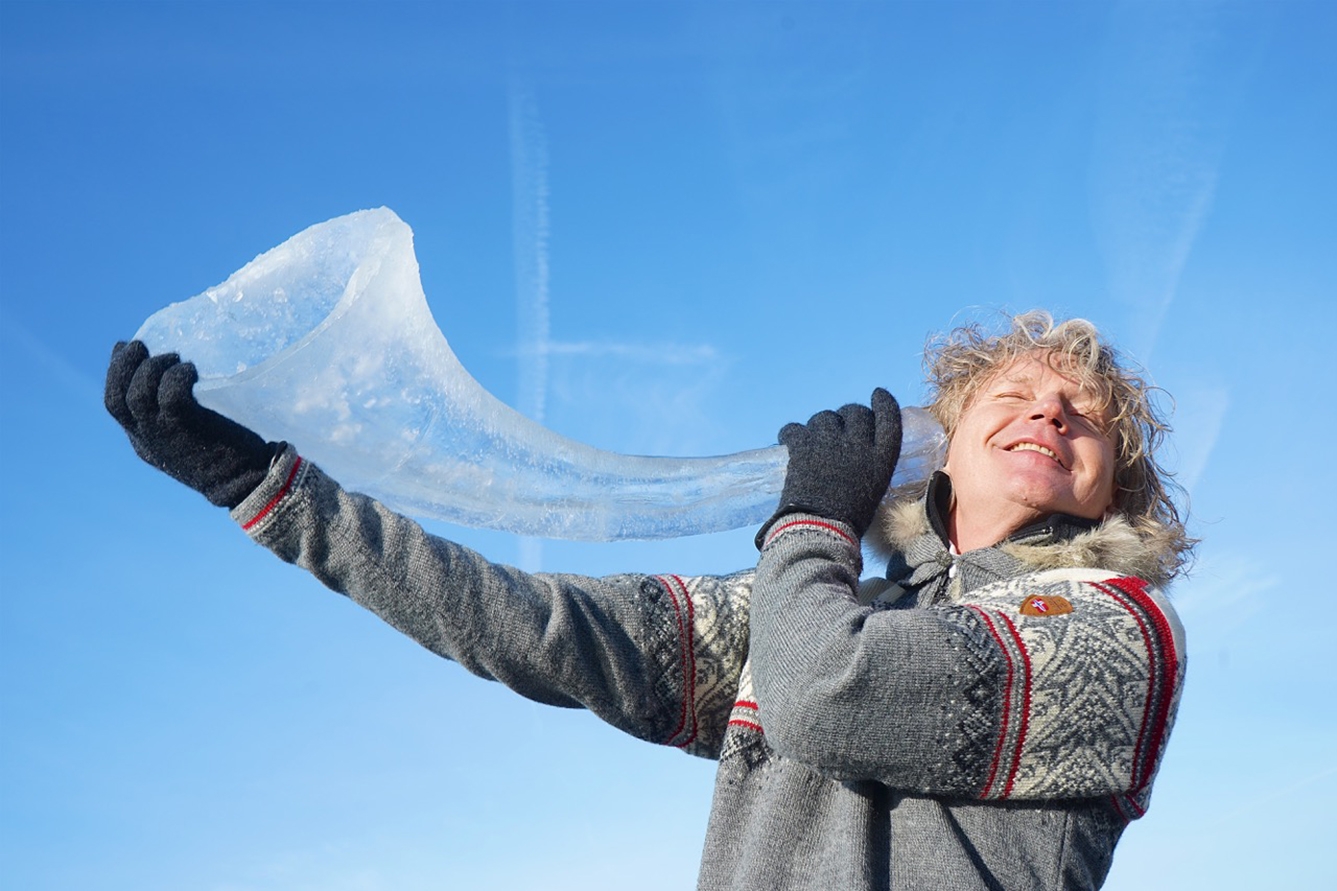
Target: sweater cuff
x,y
793,523
260,509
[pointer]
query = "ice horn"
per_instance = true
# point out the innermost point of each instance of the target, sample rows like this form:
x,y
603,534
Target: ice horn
x,y
327,342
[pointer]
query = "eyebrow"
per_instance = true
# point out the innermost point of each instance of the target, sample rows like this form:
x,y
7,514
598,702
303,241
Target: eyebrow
x,y
1084,397
1008,380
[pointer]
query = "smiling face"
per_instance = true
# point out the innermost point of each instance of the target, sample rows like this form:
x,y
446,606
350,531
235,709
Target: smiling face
x,y
1031,442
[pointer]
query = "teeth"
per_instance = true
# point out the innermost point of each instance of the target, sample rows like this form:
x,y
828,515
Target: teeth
x,y
1032,447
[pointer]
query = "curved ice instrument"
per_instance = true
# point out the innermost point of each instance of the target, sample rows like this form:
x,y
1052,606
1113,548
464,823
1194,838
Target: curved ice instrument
x,y
326,341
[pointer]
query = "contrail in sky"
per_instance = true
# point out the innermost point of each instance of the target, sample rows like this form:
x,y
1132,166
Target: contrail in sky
x,y
1159,142
529,196
529,234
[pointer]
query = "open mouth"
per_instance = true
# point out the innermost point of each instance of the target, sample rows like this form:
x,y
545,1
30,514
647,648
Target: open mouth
x,y
1036,447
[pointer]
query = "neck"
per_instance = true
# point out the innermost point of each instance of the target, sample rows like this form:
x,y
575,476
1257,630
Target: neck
x,y
968,532
963,529
968,528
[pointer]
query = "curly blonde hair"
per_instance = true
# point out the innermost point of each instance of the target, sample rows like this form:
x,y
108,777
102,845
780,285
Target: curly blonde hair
x,y
959,363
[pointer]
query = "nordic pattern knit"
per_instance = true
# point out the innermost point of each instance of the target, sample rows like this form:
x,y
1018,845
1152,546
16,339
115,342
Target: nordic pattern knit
x,y
982,726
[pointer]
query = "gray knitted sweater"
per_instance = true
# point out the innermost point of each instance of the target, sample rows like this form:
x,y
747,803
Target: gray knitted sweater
x,y
980,724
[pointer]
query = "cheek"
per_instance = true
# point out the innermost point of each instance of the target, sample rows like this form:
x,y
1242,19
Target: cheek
x,y
967,441
958,455
1103,479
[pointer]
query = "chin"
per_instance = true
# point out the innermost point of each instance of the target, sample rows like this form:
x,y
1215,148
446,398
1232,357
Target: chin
x,y
1045,500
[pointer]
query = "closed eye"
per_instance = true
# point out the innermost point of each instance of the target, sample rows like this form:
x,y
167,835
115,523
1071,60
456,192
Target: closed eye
x,y
1089,420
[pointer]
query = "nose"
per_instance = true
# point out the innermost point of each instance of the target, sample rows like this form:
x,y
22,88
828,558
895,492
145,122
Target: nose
x,y
1050,408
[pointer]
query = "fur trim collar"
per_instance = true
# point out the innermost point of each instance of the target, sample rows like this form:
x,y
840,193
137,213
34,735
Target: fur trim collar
x,y
1113,545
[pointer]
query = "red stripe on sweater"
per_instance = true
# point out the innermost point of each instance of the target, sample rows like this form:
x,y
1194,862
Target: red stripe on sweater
x,y
687,659
1140,748
1007,702
818,523
1162,673
1137,589
748,724
1025,720
1127,806
287,484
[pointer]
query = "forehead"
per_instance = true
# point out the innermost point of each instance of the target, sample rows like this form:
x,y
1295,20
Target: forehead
x,y
1045,369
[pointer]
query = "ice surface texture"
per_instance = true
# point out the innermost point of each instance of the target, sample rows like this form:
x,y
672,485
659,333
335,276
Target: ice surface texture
x,y
326,341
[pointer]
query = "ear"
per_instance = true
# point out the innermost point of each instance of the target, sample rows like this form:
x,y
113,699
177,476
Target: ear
x,y
947,459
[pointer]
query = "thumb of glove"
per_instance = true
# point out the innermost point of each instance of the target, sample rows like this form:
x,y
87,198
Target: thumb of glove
x,y
887,426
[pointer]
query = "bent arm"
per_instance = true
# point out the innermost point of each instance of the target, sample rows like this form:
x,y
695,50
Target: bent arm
x,y
651,655
975,699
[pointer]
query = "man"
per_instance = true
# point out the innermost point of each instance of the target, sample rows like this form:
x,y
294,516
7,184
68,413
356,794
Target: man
x,y
990,715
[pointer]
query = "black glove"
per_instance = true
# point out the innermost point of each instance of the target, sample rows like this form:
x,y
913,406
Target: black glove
x,y
840,463
151,398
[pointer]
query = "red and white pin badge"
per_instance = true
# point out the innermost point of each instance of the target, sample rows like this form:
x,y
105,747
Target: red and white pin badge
x,y
1045,605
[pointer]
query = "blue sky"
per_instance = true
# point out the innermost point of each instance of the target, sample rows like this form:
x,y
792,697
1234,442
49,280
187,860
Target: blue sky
x,y
723,217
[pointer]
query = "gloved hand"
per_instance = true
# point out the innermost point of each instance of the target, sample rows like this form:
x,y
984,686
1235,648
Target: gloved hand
x,y
840,463
151,398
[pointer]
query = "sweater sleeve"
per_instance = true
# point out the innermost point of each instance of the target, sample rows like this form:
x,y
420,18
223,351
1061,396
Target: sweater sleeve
x,y
655,656
1058,684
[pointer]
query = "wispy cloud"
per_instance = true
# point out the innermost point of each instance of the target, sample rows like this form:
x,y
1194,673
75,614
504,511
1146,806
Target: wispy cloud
x,y
641,398
1199,414
1266,802
1159,141
326,867
632,352
1223,593
53,366
529,197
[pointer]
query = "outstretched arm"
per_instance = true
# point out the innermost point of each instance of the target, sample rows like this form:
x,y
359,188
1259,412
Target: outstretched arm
x,y
656,656
652,655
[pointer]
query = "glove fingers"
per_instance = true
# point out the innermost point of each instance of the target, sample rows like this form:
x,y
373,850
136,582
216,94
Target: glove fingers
x,y
790,433
175,391
826,422
857,422
125,360
142,395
